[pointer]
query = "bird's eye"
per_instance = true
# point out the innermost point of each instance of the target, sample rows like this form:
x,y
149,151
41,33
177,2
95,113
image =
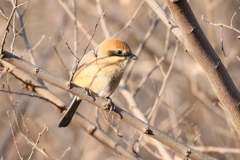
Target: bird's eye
x,y
119,52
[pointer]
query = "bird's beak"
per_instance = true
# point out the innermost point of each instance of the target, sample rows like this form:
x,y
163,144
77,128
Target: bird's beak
x,y
133,57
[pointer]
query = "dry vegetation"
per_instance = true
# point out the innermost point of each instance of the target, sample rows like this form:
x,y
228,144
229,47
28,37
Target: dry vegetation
x,y
171,91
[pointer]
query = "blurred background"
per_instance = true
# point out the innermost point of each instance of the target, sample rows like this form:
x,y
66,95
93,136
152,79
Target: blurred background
x,y
187,109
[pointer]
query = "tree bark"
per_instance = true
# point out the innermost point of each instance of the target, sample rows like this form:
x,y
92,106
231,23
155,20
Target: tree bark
x,y
199,47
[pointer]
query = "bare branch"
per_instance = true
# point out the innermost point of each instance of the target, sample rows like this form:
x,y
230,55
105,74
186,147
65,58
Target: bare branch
x,y
80,25
233,17
101,103
221,24
207,58
102,21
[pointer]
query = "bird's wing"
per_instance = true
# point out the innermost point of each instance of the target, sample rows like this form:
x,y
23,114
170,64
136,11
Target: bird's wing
x,y
88,57
86,60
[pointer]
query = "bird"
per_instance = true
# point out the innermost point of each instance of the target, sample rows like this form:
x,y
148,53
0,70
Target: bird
x,y
100,71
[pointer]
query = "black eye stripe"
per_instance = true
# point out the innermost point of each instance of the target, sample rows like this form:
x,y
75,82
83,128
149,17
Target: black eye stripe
x,y
117,53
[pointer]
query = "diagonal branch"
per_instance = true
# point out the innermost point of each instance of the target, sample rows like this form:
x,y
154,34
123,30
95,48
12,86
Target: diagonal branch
x,y
60,106
189,32
199,47
101,103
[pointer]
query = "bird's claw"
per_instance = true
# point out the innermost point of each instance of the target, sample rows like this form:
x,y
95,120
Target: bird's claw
x,y
110,105
89,93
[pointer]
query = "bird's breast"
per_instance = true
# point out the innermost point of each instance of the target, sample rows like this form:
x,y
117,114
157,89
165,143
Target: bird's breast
x,y
101,76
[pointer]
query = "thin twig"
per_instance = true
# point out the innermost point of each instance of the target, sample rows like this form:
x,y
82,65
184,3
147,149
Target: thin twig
x,y
102,21
7,26
25,39
14,34
93,32
115,129
2,13
220,24
37,142
20,18
140,47
75,42
39,42
186,113
79,24
27,137
238,58
19,32
221,150
222,48
19,129
75,39
148,75
59,57
63,37
41,150
233,17
64,153
163,84
97,118
14,138
30,95
23,118
167,40
131,19
11,126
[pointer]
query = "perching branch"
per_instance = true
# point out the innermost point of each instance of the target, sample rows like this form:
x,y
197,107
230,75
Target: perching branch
x,y
101,103
31,84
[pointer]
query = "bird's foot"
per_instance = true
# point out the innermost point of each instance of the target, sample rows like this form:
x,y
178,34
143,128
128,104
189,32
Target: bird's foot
x,y
110,105
89,93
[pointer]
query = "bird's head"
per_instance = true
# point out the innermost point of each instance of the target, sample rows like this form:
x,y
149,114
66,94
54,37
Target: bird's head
x,y
115,48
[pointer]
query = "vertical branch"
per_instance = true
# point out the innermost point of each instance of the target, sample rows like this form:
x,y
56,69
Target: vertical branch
x,y
14,138
7,26
163,84
79,24
199,47
93,34
131,19
14,34
75,41
24,36
102,21
37,142
233,17
140,47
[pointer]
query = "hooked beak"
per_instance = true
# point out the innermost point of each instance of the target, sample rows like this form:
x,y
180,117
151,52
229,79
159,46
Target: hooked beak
x,y
133,57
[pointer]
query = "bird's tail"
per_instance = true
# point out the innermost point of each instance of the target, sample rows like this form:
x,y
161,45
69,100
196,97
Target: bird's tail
x,y
67,117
